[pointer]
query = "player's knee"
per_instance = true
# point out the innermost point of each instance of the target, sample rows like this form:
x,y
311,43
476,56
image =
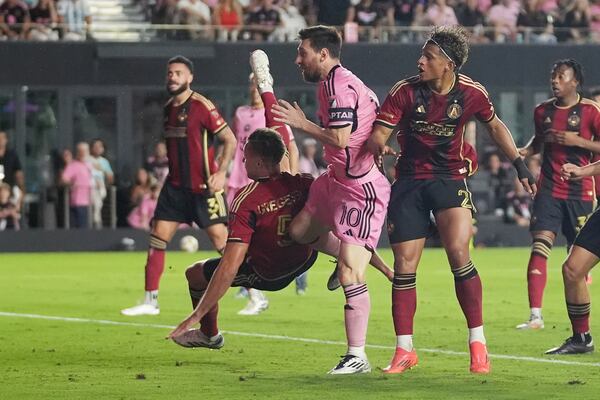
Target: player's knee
x,y
405,265
348,275
458,253
195,274
571,272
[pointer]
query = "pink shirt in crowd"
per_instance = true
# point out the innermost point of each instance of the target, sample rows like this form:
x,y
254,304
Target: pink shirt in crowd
x,y
140,216
79,176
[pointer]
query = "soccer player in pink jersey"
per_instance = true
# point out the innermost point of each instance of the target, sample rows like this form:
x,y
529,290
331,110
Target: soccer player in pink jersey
x,y
351,197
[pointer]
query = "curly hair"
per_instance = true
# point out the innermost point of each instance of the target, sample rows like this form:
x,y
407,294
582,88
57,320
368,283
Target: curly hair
x,y
453,41
574,65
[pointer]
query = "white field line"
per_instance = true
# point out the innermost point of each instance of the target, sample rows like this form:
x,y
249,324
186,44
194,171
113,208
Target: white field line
x,y
296,339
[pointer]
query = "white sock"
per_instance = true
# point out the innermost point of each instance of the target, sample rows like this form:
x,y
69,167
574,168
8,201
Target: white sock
x,y
536,312
476,335
405,342
256,295
358,351
151,297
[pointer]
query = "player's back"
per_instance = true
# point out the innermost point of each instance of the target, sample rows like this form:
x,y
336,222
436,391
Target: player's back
x,y
344,100
261,214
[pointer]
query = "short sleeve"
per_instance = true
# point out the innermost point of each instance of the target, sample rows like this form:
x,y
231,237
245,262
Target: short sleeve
x,y
483,108
242,222
211,117
393,107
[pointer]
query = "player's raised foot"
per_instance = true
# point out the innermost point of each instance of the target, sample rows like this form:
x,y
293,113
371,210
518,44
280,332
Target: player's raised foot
x,y
254,307
574,345
480,362
533,323
333,282
259,62
350,364
195,338
141,309
402,361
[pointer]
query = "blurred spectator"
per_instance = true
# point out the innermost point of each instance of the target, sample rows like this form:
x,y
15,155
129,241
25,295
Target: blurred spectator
x,y
166,13
367,13
9,214
308,163
264,20
78,177
158,163
14,19
534,24
76,17
518,202
332,12
142,214
468,15
103,177
228,17
503,17
43,21
141,186
291,21
500,181
11,171
402,12
595,20
574,19
195,13
439,14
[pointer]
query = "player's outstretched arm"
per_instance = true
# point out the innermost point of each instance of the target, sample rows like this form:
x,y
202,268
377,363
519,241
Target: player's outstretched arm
x,y
533,147
216,182
233,256
293,116
572,172
501,135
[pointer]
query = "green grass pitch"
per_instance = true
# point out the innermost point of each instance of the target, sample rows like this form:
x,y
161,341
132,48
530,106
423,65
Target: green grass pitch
x,y
86,359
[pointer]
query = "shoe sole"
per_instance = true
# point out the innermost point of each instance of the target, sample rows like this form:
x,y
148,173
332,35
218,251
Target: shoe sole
x,y
363,371
395,371
138,315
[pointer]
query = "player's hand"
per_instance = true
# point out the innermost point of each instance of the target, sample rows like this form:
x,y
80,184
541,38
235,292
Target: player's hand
x,y
525,176
524,152
216,182
570,172
184,326
565,138
289,114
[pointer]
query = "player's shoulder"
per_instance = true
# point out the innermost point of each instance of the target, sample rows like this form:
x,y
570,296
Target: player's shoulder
x,y
244,196
468,84
198,98
545,103
590,104
404,84
301,177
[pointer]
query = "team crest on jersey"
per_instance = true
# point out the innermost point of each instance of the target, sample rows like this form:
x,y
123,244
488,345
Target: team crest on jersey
x,y
182,117
454,111
573,120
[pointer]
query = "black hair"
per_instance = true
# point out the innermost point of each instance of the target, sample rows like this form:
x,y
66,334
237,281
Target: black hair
x,y
323,37
595,91
453,41
182,60
267,144
574,65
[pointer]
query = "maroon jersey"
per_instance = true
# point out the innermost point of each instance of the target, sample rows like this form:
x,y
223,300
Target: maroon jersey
x,y
190,130
431,126
583,118
260,215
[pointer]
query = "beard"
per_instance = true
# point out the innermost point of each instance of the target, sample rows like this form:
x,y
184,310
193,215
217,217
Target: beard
x,y
174,92
311,76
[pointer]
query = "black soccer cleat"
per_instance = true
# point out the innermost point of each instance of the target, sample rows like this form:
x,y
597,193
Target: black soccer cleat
x,y
333,282
574,345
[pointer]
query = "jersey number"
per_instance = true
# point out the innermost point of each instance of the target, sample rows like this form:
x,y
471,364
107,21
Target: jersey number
x,y
283,230
467,201
216,206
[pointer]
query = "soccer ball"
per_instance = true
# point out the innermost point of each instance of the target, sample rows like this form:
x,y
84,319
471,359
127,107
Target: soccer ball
x,y
188,243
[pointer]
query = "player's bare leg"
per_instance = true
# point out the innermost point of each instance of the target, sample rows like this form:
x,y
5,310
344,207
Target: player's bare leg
x,y
352,263
454,225
537,277
161,234
578,264
208,335
217,234
404,303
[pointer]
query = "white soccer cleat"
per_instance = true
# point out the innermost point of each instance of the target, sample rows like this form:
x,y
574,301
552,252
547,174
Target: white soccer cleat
x,y
141,309
259,62
254,307
533,323
350,364
195,338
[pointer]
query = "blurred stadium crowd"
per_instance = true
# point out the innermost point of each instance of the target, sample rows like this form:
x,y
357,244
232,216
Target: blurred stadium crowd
x,y
500,21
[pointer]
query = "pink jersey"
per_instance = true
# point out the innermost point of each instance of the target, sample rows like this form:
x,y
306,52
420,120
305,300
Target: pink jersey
x,y
245,121
344,100
79,176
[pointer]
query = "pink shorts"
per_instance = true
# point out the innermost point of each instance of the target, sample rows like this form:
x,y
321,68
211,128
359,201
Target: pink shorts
x,y
355,210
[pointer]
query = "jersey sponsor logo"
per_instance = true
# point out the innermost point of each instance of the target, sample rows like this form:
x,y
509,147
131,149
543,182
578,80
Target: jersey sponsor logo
x,y
573,120
431,128
454,111
341,114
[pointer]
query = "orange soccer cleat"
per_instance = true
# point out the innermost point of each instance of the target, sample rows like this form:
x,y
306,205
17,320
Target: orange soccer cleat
x,y
480,362
402,361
